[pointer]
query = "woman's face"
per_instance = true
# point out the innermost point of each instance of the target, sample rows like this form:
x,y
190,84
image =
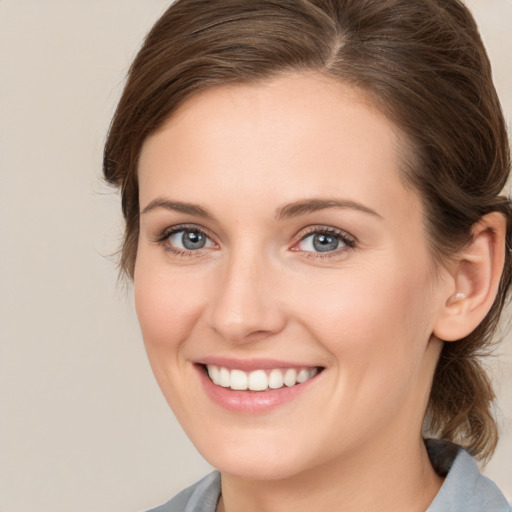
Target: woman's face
x,y
279,250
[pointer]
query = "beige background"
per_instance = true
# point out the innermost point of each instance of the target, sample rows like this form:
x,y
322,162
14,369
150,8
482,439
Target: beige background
x,y
82,425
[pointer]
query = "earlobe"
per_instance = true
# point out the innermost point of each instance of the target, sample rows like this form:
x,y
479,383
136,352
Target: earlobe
x,y
476,276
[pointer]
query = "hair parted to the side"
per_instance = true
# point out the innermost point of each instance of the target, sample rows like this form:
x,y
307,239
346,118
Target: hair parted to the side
x,y
421,62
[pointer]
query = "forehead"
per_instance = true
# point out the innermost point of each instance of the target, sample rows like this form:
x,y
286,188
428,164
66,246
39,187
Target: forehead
x,y
294,135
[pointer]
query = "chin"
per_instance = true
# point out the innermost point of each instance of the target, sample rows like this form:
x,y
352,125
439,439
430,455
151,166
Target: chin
x,y
257,461
260,470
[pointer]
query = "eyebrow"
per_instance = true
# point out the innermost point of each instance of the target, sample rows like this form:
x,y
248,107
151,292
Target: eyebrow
x,y
306,206
177,206
295,209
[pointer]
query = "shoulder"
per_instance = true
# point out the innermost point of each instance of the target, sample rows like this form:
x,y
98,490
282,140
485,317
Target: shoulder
x,y
465,489
200,497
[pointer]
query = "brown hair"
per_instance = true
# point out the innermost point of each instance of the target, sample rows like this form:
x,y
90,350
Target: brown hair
x,y
422,62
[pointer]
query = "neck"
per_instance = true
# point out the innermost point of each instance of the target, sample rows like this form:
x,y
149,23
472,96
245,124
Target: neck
x,y
383,480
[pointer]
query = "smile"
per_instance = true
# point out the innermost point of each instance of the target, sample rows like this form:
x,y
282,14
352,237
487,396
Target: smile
x,y
259,380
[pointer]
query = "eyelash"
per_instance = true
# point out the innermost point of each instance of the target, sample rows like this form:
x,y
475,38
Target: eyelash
x,y
349,241
164,236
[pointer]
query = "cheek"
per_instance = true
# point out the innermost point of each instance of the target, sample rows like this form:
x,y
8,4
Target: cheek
x,y
376,328
374,314
167,305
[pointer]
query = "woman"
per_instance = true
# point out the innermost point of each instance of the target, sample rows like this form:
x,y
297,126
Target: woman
x,y
319,248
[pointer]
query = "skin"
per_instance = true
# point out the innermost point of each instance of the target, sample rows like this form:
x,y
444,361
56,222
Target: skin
x,y
366,314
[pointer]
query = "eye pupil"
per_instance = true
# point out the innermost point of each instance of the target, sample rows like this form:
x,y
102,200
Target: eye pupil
x,y
193,240
323,242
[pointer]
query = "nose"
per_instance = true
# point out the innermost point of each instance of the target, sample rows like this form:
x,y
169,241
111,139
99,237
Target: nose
x,y
247,304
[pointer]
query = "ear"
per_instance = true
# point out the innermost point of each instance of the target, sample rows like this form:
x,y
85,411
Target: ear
x,y
476,275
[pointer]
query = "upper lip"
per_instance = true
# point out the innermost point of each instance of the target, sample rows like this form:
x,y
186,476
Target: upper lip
x,y
249,365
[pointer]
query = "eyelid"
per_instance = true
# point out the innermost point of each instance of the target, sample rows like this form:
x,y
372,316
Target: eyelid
x,y
349,241
163,236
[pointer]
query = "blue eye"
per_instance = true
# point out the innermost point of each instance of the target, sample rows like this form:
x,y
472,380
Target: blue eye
x,y
189,240
324,241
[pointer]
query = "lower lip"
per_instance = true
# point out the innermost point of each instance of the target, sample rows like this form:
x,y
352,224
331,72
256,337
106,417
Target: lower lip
x,y
252,402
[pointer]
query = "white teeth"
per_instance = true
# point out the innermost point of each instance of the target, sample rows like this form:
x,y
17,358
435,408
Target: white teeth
x,y
213,372
290,377
224,378
302,376
258,380
275,379
238,380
